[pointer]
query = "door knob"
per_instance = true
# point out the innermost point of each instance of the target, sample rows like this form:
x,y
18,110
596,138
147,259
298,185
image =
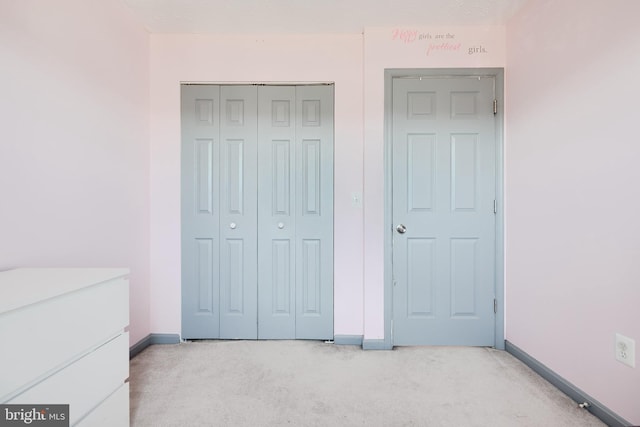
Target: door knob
x,y
401,228
280,225
232,225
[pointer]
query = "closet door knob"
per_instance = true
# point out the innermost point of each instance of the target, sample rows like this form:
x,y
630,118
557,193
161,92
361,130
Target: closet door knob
x,y
232,226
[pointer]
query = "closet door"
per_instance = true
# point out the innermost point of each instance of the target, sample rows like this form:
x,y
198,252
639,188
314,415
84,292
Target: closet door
x,y
257,212
314,212
200,160
219,211
238,212
295,228
277,212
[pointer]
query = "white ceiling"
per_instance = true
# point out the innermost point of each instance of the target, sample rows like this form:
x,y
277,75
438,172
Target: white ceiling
x,y
314,16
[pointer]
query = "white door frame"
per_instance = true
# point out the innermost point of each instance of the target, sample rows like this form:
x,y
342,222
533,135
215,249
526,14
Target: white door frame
x,y
389,75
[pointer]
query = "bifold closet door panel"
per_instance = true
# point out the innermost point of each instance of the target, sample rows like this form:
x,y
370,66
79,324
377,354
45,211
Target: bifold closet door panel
x,y
238,212
219,211
200,166
276,212
314,212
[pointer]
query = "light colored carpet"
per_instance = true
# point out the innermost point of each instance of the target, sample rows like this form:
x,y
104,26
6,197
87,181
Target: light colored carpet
x,y
309,383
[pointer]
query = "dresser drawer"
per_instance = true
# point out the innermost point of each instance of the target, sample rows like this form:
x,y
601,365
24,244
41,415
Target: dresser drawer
x,y
41,338
85,383
113,412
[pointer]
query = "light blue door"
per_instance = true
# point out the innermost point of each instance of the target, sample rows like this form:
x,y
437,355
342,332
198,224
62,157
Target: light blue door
x,y
314,212
238,212
277,212
444,178
257,212
219,211
295,228
200,211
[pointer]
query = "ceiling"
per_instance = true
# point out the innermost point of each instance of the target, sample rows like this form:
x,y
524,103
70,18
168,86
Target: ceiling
x,y
314,16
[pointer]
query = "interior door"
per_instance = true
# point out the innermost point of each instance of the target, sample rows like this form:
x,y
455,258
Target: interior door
x,y
277,219
443,211
295,188
257,212
238,212
314,212
200,211
219,211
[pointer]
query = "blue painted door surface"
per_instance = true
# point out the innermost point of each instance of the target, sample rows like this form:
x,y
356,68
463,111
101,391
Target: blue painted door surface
x,y
200,211
219,211
277,219
443,211
238,212
257,212
295,212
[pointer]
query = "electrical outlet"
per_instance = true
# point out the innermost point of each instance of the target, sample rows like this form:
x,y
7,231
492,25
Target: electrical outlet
x,y
625,350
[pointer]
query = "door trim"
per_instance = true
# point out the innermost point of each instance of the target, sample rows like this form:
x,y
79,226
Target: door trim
x,y
389,75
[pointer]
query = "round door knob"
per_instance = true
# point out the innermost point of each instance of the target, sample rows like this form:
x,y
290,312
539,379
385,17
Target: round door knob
x,y
232,226
280,225
401,228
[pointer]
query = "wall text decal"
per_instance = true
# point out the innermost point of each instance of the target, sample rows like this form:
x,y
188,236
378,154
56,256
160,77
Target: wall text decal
x,y
436,42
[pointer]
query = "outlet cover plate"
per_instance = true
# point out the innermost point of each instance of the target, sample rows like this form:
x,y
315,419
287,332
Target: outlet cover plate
x,y
626,350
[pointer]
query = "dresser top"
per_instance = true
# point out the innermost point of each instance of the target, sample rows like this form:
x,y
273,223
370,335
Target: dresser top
x,y
25,286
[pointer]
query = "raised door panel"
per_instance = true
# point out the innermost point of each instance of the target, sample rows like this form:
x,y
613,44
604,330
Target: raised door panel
x,y
420,291
205,276
464,172
464,273
311,283
282,283
311,177
420,180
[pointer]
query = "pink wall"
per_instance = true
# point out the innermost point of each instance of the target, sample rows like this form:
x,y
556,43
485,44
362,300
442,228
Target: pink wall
x,y
254,58
257,58
573,271
74,140
78,188
404,47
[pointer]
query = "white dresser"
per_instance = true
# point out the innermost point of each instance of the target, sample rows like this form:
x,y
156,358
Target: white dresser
x,y
63,341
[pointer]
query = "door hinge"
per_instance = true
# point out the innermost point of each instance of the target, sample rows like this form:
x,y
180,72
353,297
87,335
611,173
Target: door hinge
x,y
495,306
495,106
495,206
